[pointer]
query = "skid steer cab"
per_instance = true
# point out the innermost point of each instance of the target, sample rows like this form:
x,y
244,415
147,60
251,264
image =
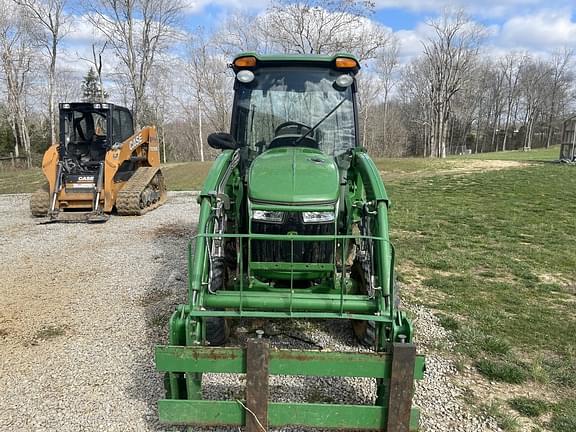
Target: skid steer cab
x,y
100,164
293,225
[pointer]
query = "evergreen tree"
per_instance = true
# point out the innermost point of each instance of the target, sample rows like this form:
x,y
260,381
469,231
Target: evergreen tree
x,y
92,90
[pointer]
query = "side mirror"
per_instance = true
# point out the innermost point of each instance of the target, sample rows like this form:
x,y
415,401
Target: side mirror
x,y
222,141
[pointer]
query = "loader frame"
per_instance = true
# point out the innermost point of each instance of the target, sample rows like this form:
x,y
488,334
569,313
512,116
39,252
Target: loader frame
x,y
394,364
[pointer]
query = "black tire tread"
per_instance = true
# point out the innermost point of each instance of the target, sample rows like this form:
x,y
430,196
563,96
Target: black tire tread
x,y
217,331
40,201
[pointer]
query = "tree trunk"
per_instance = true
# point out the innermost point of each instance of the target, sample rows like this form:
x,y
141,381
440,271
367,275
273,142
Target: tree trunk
x,y
51,77
163,144
200,137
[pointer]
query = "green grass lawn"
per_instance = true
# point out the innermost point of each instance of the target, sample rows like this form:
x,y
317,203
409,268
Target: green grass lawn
x,y
20,181
495,253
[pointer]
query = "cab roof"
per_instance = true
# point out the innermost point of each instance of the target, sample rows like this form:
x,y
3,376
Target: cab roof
x,y
263,60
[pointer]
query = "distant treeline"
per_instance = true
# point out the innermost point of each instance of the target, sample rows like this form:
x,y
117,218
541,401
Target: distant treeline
x,y
452,98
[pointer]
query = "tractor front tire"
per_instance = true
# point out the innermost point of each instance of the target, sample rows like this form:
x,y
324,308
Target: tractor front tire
x,y
40,201
217,331
365,332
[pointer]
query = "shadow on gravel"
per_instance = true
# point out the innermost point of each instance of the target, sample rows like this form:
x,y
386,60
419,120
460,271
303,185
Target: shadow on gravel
x,y
167,289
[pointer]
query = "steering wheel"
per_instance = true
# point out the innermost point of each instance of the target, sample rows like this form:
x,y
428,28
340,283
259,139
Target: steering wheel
x,y
291,123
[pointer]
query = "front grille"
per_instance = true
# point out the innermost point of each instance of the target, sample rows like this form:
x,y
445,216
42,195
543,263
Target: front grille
x,y
304,251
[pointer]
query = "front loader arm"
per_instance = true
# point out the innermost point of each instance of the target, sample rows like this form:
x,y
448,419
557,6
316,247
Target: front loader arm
x,y
50,166
198,262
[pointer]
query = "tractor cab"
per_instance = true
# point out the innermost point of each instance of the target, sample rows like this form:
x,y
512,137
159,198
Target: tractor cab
x,y
87,132
307,104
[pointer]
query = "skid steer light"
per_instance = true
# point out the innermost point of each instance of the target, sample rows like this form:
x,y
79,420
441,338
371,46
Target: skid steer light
x,y
97,106
244,62
267,216
317,217
66,106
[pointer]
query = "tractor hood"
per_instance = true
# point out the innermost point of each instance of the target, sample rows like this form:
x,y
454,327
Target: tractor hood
x,y
293,175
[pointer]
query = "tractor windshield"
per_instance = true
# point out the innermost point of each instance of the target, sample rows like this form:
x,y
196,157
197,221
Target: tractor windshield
x,y
283,104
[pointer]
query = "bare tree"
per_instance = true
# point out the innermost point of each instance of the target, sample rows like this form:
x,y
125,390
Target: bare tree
x,y
96,64
67,85
416,105
209,82
450,55
323,27
511,67
560,79
17,54
386,64
51,22
368,86
534,87
240,32
138,30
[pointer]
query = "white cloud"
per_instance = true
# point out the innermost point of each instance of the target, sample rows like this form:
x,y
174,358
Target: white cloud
x,y
542,31
482,8
195,7
75,52
82,31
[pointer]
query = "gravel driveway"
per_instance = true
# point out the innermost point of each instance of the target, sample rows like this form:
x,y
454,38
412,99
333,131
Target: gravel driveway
x,y
82,306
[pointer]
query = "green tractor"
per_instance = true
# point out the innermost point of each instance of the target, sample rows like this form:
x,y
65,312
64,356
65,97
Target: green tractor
x,y
293,225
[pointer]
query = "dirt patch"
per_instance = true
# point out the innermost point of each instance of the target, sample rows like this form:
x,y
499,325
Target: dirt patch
x,y
567,285
474,166
457,167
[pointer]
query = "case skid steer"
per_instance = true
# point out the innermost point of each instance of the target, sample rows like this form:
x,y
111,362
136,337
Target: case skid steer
x,y
293,224
100,164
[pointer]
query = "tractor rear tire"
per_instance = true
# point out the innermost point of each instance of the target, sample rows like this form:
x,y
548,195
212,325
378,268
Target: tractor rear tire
x,y
40,201
217,331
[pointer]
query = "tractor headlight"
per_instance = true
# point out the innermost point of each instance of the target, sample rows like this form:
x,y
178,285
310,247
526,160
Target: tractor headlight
x,y
267,216
317,217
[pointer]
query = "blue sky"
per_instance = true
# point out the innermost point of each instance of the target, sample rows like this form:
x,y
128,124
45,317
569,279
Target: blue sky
x,y
513,25
524,25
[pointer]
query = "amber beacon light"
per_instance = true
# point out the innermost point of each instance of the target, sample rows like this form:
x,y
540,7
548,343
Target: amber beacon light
x,y
346,63
243,62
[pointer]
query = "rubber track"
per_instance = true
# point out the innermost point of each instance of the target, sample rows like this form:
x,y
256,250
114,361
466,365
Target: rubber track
x,y
40,201
128,200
